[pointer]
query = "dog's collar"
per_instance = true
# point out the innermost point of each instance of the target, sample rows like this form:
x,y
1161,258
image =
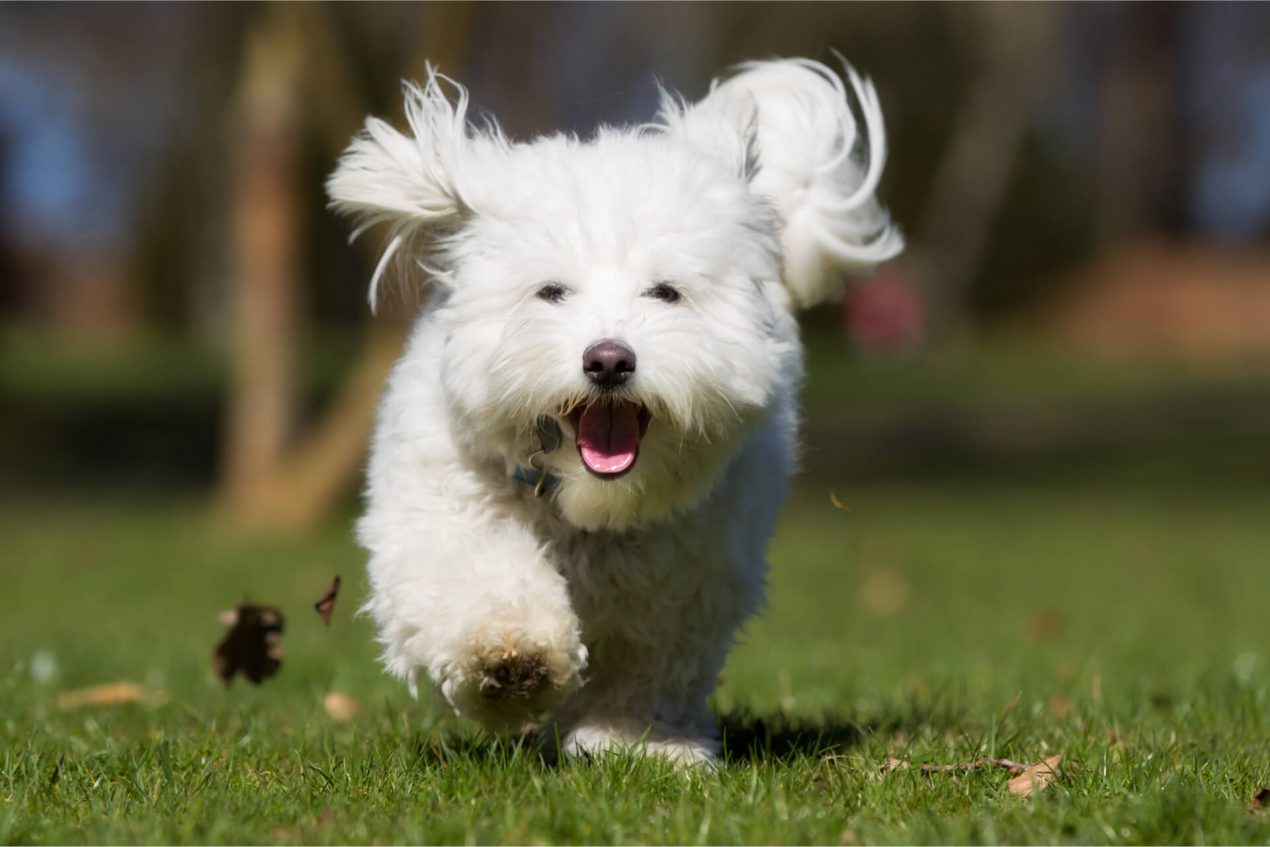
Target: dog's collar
x,y
541,481
549,438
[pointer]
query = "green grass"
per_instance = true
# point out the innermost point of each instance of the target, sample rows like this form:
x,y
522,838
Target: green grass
x,y
1140,621
1105,599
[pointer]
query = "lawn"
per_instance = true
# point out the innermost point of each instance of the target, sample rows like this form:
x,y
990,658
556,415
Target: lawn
x,y
1112,611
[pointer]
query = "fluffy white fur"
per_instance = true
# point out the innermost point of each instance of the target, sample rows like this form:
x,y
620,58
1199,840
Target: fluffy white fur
x,y
604,608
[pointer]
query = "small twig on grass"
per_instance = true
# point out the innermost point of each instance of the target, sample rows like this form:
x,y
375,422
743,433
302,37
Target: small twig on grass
x,y
1028,779
962,767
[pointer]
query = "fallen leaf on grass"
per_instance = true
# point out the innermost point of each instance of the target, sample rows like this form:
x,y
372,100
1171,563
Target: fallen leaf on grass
x,y
1044,624
884,592
339,706
1036,777
253,645
1260,802
838,504
893,764
325,606
111,694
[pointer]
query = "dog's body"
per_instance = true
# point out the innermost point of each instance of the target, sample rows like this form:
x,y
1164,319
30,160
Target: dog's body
x,y
582,453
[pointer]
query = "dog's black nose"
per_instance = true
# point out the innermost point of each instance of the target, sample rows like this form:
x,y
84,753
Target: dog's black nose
x,y
608,363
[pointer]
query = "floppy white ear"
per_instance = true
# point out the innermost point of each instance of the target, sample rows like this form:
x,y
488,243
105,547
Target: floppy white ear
x,y
789,127
410,181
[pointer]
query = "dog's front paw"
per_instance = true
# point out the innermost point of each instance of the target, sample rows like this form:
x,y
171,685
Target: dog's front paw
x,y
515,677
509,681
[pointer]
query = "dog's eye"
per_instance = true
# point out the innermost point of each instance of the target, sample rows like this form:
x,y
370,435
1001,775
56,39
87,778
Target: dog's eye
x,y
552,292
664,292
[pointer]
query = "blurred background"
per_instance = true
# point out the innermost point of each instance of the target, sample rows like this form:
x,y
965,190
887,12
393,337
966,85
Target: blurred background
x,y
1084,307
1084,188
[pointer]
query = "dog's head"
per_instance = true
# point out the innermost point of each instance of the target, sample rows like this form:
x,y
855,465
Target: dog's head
x,y
617,310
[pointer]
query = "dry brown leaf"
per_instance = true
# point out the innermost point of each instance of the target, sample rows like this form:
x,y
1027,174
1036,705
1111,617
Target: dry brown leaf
x,y
326,605
253,645
1260,802
1044,624
838,504
884,592
339,706
111,694
1036,777
893,764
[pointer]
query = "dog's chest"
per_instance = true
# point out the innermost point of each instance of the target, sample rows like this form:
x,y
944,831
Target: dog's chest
x,y
633,585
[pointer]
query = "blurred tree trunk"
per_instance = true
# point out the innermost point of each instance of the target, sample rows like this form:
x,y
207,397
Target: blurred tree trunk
x,y
1011,48
298,487
1141,158
266,238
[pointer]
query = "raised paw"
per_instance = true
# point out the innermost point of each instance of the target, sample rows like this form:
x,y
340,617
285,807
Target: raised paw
x,y
515,676
510,681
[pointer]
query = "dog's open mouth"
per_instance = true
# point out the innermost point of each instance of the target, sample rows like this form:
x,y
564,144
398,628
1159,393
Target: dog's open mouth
x,y
609,433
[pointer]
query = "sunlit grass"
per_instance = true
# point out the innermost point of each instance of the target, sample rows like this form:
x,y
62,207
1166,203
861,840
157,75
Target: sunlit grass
x,y
932,623
1100,599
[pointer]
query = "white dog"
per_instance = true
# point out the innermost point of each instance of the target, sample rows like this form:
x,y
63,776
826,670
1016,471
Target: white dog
x,y
580,458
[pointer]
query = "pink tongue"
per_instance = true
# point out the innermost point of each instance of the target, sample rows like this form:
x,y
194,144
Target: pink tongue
x,y
608,436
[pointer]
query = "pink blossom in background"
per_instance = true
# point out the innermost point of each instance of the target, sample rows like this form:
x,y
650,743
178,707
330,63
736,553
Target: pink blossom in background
x,y
885,313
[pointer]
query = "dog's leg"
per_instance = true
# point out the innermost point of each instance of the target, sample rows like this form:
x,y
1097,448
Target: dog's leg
x,y
600,737
462,591
645,698
662,610
473,603
599,722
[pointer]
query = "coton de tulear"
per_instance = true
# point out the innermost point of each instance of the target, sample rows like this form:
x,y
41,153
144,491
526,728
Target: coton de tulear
x,y
580,457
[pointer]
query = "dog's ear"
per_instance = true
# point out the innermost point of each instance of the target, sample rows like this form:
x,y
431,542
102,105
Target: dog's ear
x,y
788,127
411,181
